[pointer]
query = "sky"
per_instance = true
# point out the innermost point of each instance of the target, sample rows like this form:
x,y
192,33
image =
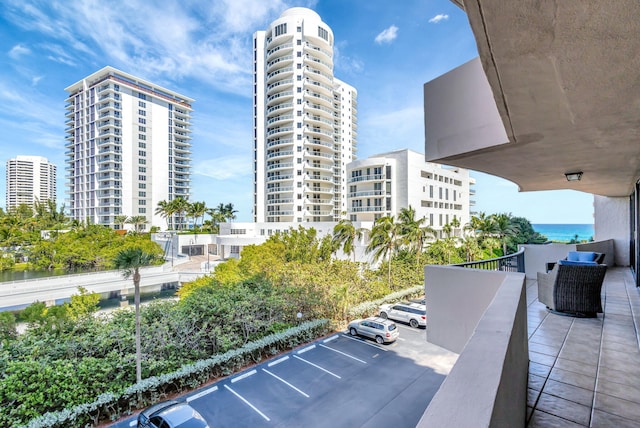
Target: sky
x,y
202,49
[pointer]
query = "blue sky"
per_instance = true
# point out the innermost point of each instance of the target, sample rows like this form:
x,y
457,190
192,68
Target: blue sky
x,y
203,49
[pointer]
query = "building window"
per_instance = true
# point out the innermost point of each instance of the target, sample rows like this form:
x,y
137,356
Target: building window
x,y
142,210
142,153
142,96
142,177
142,137
142,194
142,112
142,120
142,202
281,29
142,104
142,185
142,169
142,145
323,33
142,161
142,128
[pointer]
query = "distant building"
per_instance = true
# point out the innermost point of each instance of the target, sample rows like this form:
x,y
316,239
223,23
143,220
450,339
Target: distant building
x,y
128,148
304,122
381,185
30,179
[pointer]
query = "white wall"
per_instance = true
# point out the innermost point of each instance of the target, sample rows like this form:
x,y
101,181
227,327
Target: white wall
x,y
612,222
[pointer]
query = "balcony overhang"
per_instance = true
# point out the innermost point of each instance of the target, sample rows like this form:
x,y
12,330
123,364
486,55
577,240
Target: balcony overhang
x,y
556,90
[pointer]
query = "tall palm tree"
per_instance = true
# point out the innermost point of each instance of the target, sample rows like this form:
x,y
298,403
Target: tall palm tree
x,y
503,229
130,261
384,240
197,210
230,212
180,206
412,231
216,218
345,234
165,210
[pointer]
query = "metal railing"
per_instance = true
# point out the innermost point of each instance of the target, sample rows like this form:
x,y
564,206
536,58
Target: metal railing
x,y
510,263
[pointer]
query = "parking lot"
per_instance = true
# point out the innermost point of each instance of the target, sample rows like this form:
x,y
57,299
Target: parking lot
x,y
338,381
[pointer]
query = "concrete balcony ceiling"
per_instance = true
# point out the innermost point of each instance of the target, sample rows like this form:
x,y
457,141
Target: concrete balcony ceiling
x,y
565,81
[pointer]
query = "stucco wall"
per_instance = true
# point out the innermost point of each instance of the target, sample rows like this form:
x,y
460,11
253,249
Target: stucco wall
x,y
612,222
488,384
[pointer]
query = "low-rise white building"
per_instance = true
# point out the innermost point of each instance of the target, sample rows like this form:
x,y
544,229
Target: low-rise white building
x,y
383,184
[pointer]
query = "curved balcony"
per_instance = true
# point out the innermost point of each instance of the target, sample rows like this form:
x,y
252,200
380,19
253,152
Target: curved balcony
x,y
320,201
318,64
318,142
279,166
319,75
319,178
366,193
280,177
280,189
279,50
279,130
282,61
277,84
281,73
179,119
315,97
278,213
283,95
317,120
280,118
319,154
315,49
375,177
284,201
281,142
319,167
367,209
279,108
279,154
320,212
317,131
321,110
319,87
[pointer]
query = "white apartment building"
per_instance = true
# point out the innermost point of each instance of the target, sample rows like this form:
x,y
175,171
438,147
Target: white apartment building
x,y
381,185
30,179
304,122
128,147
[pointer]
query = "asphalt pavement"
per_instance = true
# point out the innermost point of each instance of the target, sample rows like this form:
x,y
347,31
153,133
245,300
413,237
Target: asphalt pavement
x,y
338,381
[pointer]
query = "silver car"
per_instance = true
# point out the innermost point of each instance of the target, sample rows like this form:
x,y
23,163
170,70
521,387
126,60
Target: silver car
x,y
414,314
379,329
171,414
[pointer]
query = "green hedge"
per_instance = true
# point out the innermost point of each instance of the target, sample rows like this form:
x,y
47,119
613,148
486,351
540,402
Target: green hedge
x,y
111,406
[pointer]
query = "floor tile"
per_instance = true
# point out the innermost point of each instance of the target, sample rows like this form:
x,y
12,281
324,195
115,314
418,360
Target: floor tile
x,y
564,408
617,406
572,378
576,366
541,419
607,420
569,392
536,357
536,382
625,392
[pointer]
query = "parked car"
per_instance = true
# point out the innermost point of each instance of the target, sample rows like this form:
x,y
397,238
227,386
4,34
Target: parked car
x,y
379,329
171,414
422,301
415,314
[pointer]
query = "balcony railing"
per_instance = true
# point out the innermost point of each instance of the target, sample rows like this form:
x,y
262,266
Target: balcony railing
x,y
510,263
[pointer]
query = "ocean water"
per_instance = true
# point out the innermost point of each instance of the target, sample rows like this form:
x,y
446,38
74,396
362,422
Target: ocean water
x,y
565,232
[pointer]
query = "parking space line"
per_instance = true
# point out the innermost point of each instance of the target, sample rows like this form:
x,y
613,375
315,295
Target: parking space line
x,y
365,342
317,366
308,348
334,337
133,423
278,361
242,376
201,394
344,353
285,382
247,403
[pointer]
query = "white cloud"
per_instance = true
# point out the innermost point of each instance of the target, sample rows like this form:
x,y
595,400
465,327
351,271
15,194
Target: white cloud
x,y
18,51
388,35
438,18
224,168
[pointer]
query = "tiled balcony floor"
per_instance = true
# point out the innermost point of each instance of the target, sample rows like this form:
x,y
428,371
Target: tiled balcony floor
x,y
586,372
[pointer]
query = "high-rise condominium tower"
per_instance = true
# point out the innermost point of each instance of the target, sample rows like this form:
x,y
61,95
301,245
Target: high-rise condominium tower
x,y
128,148
30,179
304,122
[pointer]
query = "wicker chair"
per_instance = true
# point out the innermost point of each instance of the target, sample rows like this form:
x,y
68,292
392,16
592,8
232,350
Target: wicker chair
x,y
572,289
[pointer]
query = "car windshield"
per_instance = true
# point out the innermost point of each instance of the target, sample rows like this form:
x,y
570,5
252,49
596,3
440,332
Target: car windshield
x,y
392,327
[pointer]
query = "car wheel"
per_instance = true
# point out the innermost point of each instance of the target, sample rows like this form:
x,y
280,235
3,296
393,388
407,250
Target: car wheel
x,y
379,340
383,315
353,331
414,323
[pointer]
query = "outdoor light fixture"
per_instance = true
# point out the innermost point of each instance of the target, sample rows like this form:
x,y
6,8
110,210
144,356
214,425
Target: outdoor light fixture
x,y
573,176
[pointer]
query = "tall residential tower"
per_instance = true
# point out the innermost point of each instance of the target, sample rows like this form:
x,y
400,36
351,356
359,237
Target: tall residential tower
x,y
128,147
30,179
304,122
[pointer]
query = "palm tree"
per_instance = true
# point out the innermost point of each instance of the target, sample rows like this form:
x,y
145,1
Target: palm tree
x,y
130,261
165,209
503,229
120,220
346,234
197,210
180,206
413,233
137,221
216,218
384,240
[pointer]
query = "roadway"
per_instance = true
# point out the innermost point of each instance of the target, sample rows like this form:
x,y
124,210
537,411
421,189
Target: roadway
x,y
338,381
